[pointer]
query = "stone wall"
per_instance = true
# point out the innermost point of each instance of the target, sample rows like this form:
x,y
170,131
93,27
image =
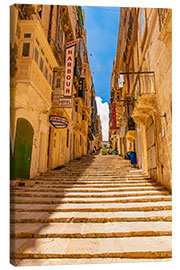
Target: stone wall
x,y
158,59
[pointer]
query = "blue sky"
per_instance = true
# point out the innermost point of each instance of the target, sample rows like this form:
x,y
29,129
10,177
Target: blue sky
x,y
102,24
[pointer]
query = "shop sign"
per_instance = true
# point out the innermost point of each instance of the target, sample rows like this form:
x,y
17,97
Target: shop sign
x,y
69,70
65,103
69,67
72,43
114,127
114,116
58,121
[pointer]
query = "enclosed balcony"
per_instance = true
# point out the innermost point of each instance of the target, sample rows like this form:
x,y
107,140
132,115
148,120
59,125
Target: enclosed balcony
x,y
143,96
35,62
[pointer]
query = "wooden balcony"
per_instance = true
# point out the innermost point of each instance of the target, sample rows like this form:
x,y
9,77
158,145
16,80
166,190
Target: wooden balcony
x,y
144,96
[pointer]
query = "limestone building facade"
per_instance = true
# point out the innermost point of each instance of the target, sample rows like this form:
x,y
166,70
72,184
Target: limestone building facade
x,y
141,88
50,88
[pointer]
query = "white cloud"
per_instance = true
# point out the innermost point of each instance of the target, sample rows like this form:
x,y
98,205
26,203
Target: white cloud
x,y
103,111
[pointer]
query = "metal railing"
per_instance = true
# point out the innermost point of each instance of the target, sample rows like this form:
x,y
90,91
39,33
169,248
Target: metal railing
x,y
144,84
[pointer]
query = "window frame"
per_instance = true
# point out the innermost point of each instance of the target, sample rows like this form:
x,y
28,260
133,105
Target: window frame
x,y
41,60
36,55
29,49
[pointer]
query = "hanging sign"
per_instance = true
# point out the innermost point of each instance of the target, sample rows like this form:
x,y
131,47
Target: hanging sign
x,y
72,43
69,67
65,103
58,121
69,70
114,116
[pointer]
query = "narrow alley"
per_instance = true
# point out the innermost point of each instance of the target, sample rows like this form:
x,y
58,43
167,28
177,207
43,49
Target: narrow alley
x,y
90,145
90,212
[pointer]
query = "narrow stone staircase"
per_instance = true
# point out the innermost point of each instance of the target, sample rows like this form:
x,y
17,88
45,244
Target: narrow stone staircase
x,y
95,210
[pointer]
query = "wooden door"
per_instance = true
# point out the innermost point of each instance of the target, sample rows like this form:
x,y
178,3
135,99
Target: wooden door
x,y
21,159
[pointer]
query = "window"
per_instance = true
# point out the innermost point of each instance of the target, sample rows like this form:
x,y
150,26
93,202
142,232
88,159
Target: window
x,y
142,22
118,96
47,60
42,51
27,35
26,49
76,107
37,41
50,78
36,55
46,72
58,83
41,64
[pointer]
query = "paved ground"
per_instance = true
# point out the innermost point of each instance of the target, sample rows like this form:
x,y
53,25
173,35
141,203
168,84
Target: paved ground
x,y
95,210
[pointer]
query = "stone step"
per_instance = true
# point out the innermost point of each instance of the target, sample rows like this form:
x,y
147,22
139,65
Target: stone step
x,y
94,207
125,247
50,262
88,212
91,200
80,185
87,179
95,174
105,194
93,230
95,190
34,193
48,215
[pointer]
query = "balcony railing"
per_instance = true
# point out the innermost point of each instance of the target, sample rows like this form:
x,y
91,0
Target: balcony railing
x,y
144,84
56,98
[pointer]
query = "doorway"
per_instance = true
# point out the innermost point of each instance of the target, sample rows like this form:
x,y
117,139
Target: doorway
x,y
20,160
